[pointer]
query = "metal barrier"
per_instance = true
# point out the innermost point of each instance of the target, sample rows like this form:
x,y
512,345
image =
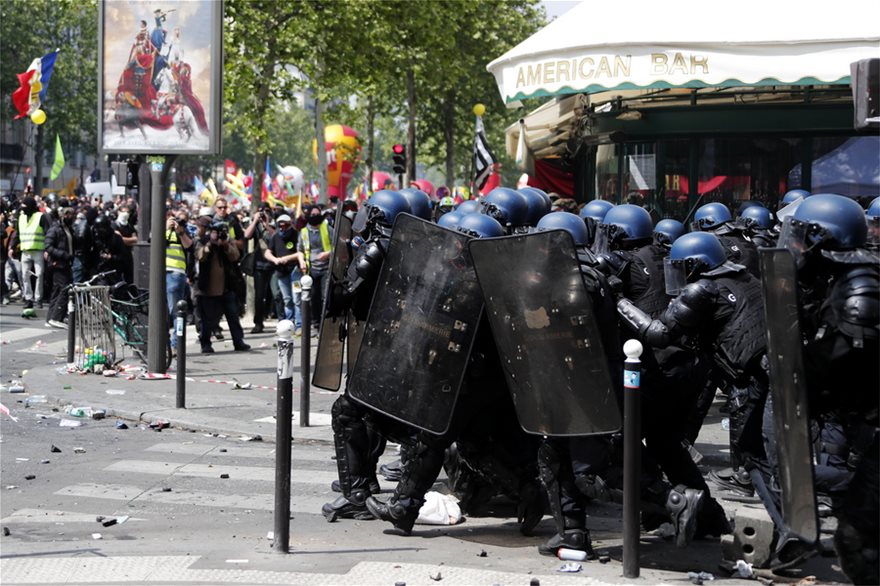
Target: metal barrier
x,y
94,326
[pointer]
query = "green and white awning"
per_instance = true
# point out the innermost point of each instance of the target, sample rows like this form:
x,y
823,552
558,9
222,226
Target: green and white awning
x,y
643,44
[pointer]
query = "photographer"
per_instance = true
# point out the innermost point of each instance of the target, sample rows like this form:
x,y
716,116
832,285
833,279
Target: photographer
x,y
215,289
260,231
178,246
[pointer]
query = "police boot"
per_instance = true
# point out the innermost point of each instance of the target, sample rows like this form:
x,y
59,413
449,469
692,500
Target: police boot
x,y
530,509
684,505
578,539
351,507
735,480
402,517
391,471
373,486
712,520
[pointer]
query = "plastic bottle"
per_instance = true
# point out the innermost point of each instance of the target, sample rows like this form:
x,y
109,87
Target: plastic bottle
x,y
725,424
576,555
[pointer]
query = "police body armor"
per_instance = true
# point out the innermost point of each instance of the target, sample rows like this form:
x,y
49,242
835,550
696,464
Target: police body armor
x,y
421,326
743,338
544,325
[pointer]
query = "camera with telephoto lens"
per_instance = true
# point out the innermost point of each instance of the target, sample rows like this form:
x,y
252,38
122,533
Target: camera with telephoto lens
x,y
222,230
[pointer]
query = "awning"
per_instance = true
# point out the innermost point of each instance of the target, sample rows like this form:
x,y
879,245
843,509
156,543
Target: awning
x,y
599,46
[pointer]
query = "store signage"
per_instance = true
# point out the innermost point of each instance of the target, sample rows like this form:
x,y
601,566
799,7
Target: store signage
x,y
618,68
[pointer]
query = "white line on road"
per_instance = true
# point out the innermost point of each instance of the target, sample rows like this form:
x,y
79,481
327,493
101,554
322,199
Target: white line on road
x,y
214,471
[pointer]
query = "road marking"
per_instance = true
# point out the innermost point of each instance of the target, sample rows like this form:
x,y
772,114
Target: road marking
x,y
51,349
238,452
51,516
310,504
315,419
214,471
16,335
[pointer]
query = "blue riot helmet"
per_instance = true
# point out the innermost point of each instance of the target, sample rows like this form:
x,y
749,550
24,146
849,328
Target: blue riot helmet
x,y
380,210
872,215
538,206
793,195
540,192
469,206
667,231
596,209
568,222
450,219
479,226
756,217
747,204
692,255
826,222
710,216
419,202
623,225
507,206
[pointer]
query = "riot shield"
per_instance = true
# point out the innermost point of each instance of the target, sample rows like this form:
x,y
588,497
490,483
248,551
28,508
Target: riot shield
x,y
331,341
543,324
421,326
787,385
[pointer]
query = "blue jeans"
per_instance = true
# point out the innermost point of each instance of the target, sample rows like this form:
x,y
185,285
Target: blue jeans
x,y
175,290
295,277
286,285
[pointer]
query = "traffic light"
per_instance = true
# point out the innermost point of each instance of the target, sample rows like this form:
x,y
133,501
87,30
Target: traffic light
x,y
398,157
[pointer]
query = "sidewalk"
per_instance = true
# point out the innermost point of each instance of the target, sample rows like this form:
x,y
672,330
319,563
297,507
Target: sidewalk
x,y
229,393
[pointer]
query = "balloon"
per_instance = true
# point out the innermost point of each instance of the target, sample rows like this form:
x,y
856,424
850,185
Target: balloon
x,y
293,175
343,154
479,109
38,116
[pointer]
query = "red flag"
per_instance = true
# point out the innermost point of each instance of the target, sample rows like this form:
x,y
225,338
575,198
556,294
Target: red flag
x,y
21,98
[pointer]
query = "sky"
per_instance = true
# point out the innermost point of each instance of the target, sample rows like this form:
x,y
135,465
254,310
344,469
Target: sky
x,y
556,8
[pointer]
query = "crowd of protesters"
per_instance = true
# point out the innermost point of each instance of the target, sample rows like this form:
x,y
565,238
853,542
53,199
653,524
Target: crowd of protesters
x,y
210,253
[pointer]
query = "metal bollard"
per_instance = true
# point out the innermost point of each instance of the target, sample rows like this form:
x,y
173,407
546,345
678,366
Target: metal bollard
x,y
180,332
283,436
305,351
632,456
71,328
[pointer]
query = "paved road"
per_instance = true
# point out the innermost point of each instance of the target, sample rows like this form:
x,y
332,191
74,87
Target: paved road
x,y
187,524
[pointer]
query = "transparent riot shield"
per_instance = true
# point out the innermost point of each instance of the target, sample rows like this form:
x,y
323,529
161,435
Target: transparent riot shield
x,y
543,324
787,385
331,341
421,326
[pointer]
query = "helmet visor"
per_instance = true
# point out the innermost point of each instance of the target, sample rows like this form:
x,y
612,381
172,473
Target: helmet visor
x,y
793,236
789,209
675,275
605,236
874,232
360,220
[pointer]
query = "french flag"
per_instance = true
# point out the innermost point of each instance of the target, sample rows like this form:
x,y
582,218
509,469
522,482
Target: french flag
x,y
33,84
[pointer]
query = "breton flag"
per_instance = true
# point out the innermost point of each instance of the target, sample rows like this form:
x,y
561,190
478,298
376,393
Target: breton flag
x,y
33,84
483,157
58,165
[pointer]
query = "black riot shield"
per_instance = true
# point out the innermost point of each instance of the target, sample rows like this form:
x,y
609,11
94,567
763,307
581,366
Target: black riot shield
x,y
787,385
543,324
331,341
421,326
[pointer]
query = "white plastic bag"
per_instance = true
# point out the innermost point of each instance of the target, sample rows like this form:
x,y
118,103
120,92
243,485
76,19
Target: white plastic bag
x,y
439,509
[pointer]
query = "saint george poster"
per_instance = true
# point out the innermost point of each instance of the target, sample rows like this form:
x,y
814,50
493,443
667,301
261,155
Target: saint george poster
x,y
160,76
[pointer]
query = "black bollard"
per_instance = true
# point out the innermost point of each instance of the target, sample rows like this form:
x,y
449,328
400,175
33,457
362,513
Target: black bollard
x,y
283,436
180,332
632,456
305,351
71,327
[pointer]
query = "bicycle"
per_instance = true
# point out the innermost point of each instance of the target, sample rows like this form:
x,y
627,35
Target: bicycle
x,y
124,306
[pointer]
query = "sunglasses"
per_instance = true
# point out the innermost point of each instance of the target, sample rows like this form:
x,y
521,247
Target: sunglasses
x,y
221,207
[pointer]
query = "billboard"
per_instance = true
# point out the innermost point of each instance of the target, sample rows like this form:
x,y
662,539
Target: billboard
x,y
160,76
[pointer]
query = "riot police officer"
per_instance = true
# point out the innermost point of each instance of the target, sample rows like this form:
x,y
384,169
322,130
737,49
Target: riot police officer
x,y
838,286
715,217
357,441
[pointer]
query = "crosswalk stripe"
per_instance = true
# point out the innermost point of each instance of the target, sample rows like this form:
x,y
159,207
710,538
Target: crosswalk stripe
x,y
255,501
19,334
238,452
214,471
50,349
47,516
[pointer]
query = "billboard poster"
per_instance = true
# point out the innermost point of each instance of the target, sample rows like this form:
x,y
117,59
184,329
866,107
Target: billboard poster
x,y
160,76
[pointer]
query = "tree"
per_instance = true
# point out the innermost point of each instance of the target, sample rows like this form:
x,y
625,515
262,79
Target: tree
x,y
33,28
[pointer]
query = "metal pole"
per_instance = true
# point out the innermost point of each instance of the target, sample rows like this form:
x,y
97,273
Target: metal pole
x,y
305,360
157,337
180,332
632,455
283,435
71,326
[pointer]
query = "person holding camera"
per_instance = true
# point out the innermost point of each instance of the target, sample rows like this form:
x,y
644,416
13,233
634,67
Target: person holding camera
x,y
178,246
217,255
260,231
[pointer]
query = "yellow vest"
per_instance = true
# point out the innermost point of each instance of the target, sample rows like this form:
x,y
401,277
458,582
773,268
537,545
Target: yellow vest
x,y
325,241
175,255
30,232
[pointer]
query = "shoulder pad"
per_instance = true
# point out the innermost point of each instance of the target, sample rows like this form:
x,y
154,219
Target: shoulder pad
x,y
855,300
